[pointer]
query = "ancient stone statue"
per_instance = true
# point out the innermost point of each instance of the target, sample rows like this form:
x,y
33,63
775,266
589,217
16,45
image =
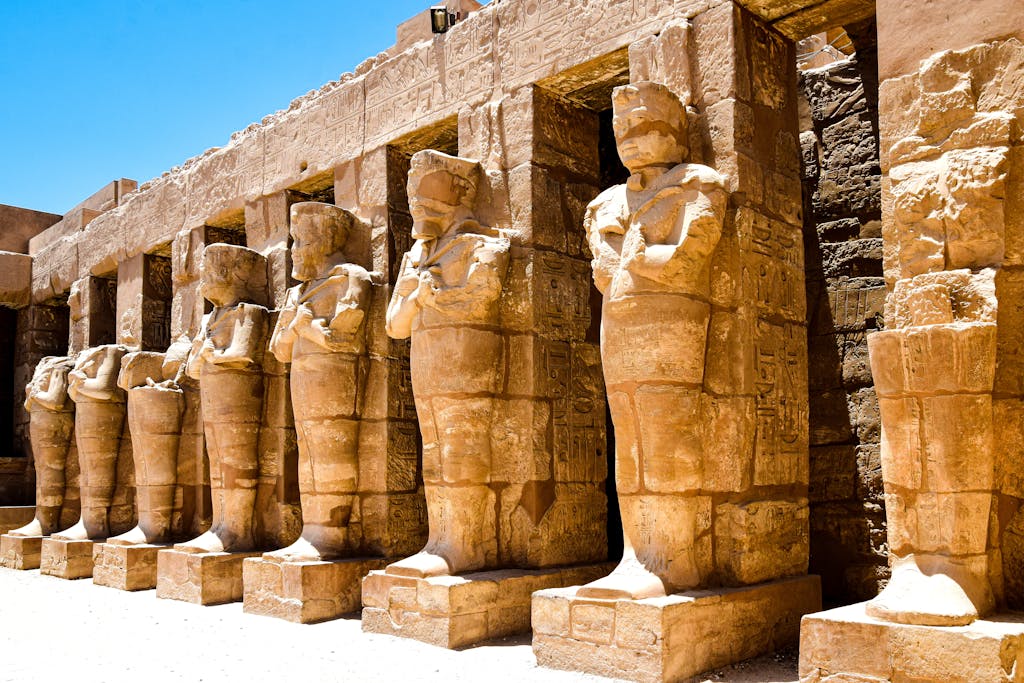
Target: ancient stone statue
x,y
155,407
935,370
651,240
227,359
321,332
99,422
51,424
446,299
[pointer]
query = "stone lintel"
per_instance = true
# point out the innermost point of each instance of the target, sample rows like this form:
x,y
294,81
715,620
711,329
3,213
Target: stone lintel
x,y
669,638
455,611
305,592
20,552
844,644
67,559
125,567
200,578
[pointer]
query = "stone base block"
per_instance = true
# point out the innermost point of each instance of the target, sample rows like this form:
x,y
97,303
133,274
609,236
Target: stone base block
x,y
200,578
670,638
845,644
67,559
125,567
305,592
453,611
20,552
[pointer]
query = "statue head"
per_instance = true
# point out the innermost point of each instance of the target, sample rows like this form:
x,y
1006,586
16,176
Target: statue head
x,y
230,274
441,187
650,126
318,231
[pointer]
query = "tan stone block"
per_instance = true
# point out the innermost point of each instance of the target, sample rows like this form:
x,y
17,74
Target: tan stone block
x,y
902,442
304,592
958,454
15,279
125,567
673,449
762,540
20,552
54,268
675,637
550,613
592,621
200,578
454,611
66,559
729,424
844,644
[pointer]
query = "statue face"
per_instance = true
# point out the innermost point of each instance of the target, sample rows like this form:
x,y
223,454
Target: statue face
x,y
217,282
434,200
310,248
644,141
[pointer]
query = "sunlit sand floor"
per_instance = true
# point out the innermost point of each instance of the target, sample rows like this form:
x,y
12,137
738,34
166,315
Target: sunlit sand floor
x,y
57,630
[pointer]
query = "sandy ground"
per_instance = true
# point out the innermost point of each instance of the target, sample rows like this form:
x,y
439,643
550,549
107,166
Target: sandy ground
x,y
56,630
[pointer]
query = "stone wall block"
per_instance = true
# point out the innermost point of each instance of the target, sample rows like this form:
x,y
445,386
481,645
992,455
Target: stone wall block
x,y
15,279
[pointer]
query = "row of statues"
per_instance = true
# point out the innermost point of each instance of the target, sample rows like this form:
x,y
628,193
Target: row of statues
x,y
651,239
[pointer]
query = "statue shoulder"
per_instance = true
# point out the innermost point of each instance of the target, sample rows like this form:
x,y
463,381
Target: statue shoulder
x,y
707,178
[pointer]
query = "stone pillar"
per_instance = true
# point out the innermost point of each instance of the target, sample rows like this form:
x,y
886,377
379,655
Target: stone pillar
x,y
540,154
266,231
392,511
93,303
144,294
947,368
734,462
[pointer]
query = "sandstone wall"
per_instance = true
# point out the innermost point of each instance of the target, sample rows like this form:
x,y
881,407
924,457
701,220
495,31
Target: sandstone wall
x,y
846,296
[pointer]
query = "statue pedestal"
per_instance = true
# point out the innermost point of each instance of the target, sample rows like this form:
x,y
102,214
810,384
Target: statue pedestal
x,y
67,559
846,644
305,592
200,578
669,638
453,611
20,552
125,567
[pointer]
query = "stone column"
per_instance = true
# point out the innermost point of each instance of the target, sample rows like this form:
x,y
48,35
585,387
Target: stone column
x,y
93,303
540,154
144,294
279,516
392,511
947,368
712,434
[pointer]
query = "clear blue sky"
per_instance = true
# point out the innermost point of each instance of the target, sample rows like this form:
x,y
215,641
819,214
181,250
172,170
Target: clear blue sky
x,y
96,90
